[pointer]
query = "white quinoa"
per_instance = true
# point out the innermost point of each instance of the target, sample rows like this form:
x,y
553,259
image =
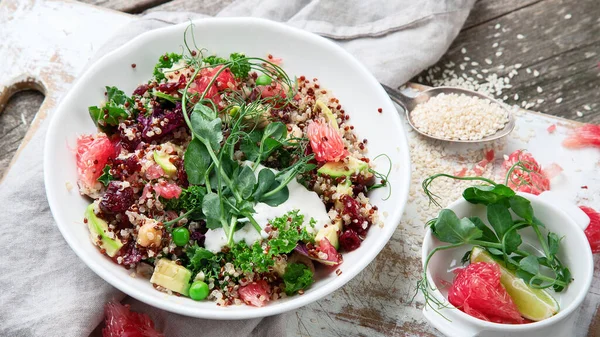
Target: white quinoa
x,y
459,117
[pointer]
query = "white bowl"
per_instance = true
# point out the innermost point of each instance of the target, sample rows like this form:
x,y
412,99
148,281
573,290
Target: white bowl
x,y
559,216
303,53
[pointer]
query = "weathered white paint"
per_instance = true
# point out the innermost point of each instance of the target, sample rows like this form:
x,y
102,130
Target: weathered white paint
x,y
45,45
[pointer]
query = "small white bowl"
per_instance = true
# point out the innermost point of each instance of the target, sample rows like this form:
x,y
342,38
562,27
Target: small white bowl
x,y
559,216
303,53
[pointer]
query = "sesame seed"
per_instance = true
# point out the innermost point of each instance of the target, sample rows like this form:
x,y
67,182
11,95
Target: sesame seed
x,y
495,45
474,63
463,50
518,65
516,97
579,114
497,26
568,16
536,73
498,53
539,89
587,107
520,36
558,100
488,61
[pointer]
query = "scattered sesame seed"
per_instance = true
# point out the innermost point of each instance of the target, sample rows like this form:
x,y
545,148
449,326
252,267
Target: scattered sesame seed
x,y
497,35
516,97
568,16
579,114
495,45
587,107
558,100
498,53
497,26
518,65
467,58
520,36
539,89
474,63
540,101
488,61
528,70
536,73
463,50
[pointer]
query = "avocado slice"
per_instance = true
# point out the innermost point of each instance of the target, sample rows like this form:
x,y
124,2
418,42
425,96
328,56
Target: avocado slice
x,y
332,233
340,168
329,116
162,159
172,276
99,228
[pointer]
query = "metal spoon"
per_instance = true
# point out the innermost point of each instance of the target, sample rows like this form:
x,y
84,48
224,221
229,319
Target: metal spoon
x,y
409,103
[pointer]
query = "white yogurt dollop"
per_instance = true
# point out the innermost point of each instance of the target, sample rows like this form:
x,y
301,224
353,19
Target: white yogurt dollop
x,y
307,202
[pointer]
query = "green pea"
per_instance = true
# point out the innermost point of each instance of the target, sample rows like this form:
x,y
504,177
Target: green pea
x,y
263,80
181,236
198,290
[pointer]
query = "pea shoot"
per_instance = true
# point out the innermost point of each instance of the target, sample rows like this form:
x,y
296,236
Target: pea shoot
x,y
500,239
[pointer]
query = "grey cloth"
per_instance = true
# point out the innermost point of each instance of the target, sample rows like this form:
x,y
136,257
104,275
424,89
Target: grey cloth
x,y
47,291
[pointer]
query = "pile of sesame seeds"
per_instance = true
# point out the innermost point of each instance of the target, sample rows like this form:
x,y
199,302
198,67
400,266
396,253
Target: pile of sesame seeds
x,y
459,117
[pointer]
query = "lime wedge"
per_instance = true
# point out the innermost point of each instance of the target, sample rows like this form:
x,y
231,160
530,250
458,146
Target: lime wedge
x,y
533,304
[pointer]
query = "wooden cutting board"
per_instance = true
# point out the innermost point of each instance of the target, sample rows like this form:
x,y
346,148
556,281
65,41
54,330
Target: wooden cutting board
x,y
45,45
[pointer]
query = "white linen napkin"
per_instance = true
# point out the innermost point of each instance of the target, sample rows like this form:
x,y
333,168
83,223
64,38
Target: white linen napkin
x,y
45,290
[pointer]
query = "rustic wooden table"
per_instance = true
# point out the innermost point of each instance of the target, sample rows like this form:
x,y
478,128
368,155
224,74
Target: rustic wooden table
x,y
547,56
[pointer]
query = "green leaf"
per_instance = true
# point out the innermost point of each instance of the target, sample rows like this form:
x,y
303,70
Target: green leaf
x,y
164,96
165,61
244,182
240,67
200,259
449,228
278,198
297,277
211,207
113,110
250,145
106,177
530,265
553,243
500,218
276,131
196,162
207,130
521,207
214,60
486,194
266,179
204,111
487,233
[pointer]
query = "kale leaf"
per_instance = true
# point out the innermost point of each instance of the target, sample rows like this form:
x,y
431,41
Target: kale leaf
x,y
297,277
190,199
117,107
166,61
106,177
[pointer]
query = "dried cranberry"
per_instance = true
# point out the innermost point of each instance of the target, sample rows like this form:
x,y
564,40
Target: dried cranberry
x,y
129,253
126,167
172,87
115,199
349,240
198,237
351,206
141,90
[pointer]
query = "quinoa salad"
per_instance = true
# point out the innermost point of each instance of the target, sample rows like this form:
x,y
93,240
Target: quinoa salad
x,y
225,179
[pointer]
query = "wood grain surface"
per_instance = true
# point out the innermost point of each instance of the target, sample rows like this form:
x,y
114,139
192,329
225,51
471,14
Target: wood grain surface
x,y
377,302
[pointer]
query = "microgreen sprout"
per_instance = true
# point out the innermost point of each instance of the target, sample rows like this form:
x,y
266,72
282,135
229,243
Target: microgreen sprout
x,y
501,238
